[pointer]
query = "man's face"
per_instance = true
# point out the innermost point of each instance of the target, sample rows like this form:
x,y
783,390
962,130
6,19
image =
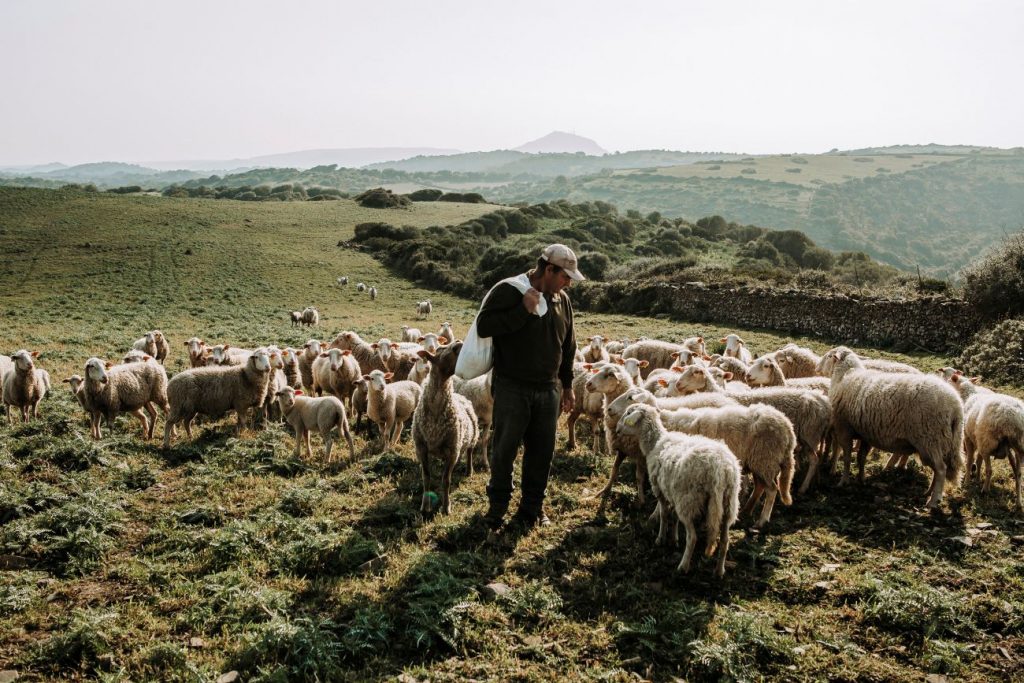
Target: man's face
x,y
553,282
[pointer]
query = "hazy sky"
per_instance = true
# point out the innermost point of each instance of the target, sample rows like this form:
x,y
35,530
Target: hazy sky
x,y
132,80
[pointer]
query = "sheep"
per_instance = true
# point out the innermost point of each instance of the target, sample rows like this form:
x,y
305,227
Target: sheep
x,y
420,371
411,334
310,317
390,405
305,414
432,342
146,343
292,373
24,385
76,383
335,372
759,435
897,412
310,352
424,308
993,427
695,345
609,381
827,361
692,477
135,356
766,372
163,347
588,404
444,426
446,331
363,352
278,380
617,346
595,351
729,364
196,352
225,354
736,348
809,412
797,361
343,280
109,390
359,400
360,287
658,354
6,365
213,391
373,293
478,391
296,317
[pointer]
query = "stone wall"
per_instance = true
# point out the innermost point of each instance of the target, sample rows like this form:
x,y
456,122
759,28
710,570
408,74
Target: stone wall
x,y
929,323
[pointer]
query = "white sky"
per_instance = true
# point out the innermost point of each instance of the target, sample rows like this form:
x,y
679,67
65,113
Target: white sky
x,y
135,80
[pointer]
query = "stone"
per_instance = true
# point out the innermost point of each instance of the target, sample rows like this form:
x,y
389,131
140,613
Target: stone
x,y
494,590
229,677
965,540
197,643
8,676
373,565
829,568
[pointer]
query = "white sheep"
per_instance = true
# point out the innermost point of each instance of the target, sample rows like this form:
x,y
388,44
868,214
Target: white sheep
x,y
766,372
446,331
411,334
359,400
609,381
420,371
897,412
310,316
291,367
364,352
296,318
424,308
146,343
136,356
736,348
759,435
389,405
310,352
76,383
595,350
25,385
305,414
196,352
696,345
692,477
360,287
373,293
343,280
225,354
444,427
478,391
335,372
797,361
110,390
617,345
828,361
729,364
432,342
213,391
658,354
993,427
587,404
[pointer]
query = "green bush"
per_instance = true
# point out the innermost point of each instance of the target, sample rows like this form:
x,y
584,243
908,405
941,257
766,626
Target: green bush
x,y
995,353
380,198
594,265
994,285
425,195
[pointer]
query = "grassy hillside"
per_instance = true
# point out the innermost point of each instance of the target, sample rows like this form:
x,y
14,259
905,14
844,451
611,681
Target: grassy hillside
x,y
123,561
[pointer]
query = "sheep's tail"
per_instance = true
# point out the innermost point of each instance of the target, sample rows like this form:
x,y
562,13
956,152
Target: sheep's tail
x,y
954,457
786,478
717,499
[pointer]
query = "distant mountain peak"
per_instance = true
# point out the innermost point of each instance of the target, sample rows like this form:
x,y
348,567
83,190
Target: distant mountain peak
x,y
561,142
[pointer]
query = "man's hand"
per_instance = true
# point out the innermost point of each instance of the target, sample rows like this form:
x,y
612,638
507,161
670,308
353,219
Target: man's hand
x,y
531,300
568,400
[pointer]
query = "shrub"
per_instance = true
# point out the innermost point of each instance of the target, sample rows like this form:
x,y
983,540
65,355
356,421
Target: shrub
x,y
994,285
301,649
465,197
996,353
380,198
367,231
425,195
594,265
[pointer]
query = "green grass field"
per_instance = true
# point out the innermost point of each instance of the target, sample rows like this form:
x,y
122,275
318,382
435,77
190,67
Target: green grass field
x,y
123,562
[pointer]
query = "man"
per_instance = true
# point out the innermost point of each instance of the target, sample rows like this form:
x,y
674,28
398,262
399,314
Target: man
x,y
532,381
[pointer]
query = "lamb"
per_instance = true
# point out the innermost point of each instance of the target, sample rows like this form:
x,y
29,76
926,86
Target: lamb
x,y
766,372
25,385
424,308
446,331
444,426
827,361
363,352
390,405
759,435
478,391
595,351
335,372
163,347
305,414
897,412
993,427
729,364
359,400
420,371
411,334
617,346
343,280
291,367
310,352
76,383
692,477
278,380
146,343
736,348
296,317
213,391
658,354
113,389
609,381
587,404
310,317
360,287
632,366
373,293
196,352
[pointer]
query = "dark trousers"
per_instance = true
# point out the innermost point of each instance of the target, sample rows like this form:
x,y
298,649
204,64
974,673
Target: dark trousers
x,y
525,415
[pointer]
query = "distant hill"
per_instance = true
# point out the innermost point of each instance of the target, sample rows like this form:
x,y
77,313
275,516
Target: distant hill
x,y
559,142
347,157
105,174
32,170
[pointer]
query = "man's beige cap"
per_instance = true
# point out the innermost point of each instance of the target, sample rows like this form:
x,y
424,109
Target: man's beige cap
x,y
565,258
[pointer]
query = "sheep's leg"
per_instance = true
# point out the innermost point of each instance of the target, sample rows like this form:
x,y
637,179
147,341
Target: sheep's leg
x,y
446,484
663,521
812,469
1015,459
755,495
606,491
242,415
469,460
641,480
347,433
188,425
151,409
142,420
938,482
675,529
691,542
94,425
723,548
168,424
987,460
969,451
485,444
570,423
862,457
421,455
298,442
846,443
656,514
769,503
328,437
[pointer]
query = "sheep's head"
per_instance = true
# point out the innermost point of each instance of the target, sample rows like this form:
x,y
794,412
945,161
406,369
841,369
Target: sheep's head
x,y
384,348
289,356
75,383
378,379
695,344
597,342
618,407
432,342
260,360
158,336
96,370
764,371
312,347
445,359
286,398
195,347
694,378
634,418
24,360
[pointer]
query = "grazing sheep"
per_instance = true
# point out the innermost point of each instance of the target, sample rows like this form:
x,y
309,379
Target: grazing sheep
x,y
736,348
389,405
310,317
446,331
213,391
305,414
993,427
343,280
310,352
291,367
692,477
444,426
897,412
658,354
296,317
373,293
759,435
595,351
411,334
424,308
113,389
360,287
196,352
766,372
25,385
335,372
828,361
478,391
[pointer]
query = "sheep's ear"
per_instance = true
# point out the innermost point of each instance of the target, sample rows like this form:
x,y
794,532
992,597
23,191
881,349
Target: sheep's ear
x,y
186,343
618,359
298,392
323,355
674,354
700,340
66,380
443,340
976,380
346,352
394,345
632,418
722,340
662,382
420,338
644,363
366,377
389,375
35,354
728,375
374,346
678,369
108,365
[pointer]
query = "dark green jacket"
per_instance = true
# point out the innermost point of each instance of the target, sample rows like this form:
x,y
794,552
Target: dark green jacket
x,y
528,349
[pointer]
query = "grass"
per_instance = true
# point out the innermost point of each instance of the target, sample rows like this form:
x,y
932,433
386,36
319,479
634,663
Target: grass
x,y
117,556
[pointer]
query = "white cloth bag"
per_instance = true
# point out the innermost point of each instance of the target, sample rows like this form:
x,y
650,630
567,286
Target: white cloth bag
x,y
477,355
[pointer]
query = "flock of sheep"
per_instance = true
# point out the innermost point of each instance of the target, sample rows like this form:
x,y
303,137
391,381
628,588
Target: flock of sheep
x,y
691,422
